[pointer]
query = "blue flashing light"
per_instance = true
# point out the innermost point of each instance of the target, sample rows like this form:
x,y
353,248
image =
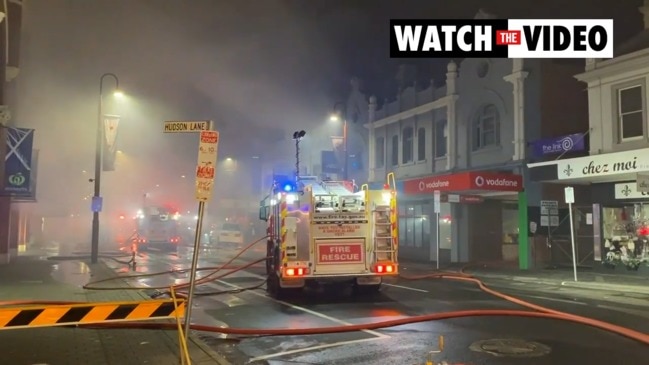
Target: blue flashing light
x,y
288,187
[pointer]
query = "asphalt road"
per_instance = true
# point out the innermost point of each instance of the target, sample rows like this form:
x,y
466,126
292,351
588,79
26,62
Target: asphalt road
x,y
509,340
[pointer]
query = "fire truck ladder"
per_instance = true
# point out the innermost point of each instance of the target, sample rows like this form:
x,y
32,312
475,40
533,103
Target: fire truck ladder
x,y
336,188
383,244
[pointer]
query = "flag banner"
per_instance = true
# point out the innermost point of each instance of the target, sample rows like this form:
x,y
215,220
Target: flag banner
x,y
329,162
18,161
111,122
339,149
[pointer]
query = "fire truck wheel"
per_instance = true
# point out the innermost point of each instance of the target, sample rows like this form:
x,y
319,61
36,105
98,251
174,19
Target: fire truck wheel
x,y
274,290
367,289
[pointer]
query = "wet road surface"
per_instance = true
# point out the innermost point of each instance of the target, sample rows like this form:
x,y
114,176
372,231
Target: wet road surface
x,y
509,340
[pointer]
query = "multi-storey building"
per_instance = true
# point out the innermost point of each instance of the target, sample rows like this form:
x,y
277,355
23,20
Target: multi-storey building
x,y
468,139
611,184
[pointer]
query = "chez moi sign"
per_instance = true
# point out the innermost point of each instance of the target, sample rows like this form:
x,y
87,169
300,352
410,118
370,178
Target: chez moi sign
x,y
604,165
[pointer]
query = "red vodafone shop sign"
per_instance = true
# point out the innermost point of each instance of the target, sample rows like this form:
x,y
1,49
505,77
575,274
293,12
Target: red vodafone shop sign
x,y
465,181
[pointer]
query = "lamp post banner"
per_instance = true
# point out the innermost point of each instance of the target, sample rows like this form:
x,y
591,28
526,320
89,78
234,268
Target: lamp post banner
x,y
111,122
18,162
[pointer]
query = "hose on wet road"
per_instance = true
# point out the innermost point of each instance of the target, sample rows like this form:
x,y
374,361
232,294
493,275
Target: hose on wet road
x,y
537,310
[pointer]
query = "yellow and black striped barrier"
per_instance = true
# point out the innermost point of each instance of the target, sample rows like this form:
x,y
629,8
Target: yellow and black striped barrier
x,y
88,313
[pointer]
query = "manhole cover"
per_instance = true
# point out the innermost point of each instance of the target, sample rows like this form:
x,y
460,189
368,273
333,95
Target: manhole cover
x,y
510,348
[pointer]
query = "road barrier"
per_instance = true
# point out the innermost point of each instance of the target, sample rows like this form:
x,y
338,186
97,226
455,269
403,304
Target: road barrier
x,y
88,313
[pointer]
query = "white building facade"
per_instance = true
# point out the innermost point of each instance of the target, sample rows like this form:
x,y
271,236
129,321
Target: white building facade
x,y
466,139
612,183
614,191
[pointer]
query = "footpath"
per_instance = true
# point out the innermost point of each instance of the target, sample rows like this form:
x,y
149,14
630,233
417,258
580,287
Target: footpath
x,y
37,278
588,280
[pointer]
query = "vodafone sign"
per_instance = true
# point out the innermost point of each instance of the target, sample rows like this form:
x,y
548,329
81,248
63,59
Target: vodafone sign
x,y
465,181
497,182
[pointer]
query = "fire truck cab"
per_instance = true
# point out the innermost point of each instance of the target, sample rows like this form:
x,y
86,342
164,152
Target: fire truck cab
x,y
325,231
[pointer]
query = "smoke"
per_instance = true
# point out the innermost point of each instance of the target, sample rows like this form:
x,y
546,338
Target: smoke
x,y
249,66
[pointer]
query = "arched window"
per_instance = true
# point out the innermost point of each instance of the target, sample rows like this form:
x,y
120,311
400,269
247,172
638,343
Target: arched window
x,y
486,128
421,144
408,143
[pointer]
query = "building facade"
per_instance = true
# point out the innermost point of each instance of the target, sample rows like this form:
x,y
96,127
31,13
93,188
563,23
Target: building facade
x,y
612,182
13,218
469,140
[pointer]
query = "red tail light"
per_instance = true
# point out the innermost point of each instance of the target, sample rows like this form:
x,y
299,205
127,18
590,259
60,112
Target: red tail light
x,y
384,268
294,271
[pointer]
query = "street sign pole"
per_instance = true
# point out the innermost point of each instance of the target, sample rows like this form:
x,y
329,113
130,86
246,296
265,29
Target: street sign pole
x,y
192,277
207,153
437,208
570,198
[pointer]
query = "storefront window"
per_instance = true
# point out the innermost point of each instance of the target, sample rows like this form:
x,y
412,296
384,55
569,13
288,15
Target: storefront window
x,y
625,232
414,225
410,225
418,223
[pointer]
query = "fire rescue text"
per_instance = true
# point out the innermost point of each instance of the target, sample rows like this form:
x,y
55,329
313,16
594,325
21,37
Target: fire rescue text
x,y
339,253
502,38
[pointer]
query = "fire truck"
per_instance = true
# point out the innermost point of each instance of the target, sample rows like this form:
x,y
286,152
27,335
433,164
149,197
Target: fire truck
x,y
326,232
158,228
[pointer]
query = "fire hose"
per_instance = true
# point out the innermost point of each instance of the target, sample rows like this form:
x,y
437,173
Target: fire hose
x,y
539,311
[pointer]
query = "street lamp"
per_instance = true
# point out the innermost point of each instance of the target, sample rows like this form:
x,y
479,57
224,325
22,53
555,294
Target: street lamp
x,y
336,116
297,136
94,248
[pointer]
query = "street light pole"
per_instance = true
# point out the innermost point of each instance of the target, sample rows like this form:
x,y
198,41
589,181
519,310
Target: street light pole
x,y
94,248
343,114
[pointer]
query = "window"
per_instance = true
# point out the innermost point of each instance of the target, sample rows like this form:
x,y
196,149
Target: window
x,y
380,153
441,137
621,226
231,227
421,144
395,150
407,145
414,225
486,131
630,113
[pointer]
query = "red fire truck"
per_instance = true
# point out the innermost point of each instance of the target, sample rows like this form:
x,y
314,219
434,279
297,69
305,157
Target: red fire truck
x,y
323,232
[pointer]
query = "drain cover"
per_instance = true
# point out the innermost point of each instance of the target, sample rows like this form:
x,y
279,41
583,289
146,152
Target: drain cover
x,y
510,348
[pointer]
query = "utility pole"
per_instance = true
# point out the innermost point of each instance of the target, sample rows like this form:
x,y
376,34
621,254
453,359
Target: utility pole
x,y
5,201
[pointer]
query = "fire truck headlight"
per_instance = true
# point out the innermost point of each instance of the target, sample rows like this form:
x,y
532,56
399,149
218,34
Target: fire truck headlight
x,y
273,202
290,198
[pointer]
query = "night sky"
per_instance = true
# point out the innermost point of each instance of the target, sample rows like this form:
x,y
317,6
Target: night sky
x,y
259,69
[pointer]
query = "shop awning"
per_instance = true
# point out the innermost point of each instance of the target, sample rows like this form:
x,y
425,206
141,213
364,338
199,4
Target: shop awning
x,y
607,167
481,183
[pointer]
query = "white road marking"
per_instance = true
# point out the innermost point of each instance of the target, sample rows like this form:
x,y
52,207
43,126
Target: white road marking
x,y
305,310
406,287
313,348
555,299
636,312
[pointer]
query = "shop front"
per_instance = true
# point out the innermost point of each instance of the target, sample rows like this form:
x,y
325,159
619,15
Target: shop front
x,y
478,217
616,187
624,216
